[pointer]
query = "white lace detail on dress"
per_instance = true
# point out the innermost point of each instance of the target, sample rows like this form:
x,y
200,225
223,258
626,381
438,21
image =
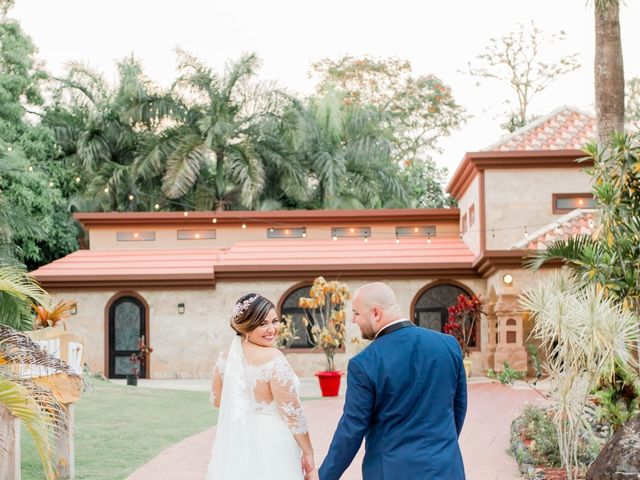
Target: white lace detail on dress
x,y
278,377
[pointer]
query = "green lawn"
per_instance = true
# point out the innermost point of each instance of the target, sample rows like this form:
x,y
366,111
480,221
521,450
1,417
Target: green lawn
x,y
120,428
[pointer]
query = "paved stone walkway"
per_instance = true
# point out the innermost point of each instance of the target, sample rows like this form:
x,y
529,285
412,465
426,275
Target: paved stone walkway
x,y
484,440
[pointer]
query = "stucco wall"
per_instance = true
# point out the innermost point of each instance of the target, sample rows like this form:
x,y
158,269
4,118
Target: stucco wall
x,y
471,197
518,198
104,238
185,346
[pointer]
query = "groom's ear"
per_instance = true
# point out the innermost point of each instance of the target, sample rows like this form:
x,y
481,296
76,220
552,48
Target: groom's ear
x,y
377,312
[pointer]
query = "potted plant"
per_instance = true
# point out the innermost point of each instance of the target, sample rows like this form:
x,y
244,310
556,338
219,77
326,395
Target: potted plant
x,y
325,327
286,334
138,359
461,323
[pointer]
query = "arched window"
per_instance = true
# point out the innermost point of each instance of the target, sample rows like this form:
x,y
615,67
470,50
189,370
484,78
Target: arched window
x,y
430,309
290,307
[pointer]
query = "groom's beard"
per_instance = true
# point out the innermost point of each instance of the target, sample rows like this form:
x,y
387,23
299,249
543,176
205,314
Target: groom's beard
x,y
367,333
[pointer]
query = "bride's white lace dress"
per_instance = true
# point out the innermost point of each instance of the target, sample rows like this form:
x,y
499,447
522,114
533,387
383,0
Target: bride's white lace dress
x,y
259,414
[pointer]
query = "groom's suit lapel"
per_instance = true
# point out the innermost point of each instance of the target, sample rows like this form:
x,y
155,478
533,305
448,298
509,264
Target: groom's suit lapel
x,y
394,327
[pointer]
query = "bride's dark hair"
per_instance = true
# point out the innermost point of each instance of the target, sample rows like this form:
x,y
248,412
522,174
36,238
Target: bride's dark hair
x,y
249,312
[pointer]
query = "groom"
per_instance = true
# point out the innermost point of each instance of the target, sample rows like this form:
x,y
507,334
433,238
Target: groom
x,y
406,393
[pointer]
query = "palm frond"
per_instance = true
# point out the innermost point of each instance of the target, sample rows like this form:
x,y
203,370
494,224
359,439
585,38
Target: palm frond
x,y
183,165
16,282
573,251
21,404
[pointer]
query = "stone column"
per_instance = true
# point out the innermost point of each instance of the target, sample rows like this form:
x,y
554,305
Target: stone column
x,y
9,446
492,332
510,347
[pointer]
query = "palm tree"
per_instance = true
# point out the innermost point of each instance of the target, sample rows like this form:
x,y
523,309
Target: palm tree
x,y
215,134
31,402
348,153
608,70
24,398
93,133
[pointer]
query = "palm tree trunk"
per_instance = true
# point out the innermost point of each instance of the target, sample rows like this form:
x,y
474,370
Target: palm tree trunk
x,y
608,70
220,205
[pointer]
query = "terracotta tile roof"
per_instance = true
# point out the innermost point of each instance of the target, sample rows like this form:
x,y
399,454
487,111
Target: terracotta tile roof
x,y
577,222
566,128
204,266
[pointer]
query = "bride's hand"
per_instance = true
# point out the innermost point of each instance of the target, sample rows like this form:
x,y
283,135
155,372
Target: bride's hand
x,y
312,475
308,463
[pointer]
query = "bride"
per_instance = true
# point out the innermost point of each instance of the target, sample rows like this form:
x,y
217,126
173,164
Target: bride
x,y
262,432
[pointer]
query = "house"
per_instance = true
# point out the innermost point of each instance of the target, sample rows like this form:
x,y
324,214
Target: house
x,y
174,276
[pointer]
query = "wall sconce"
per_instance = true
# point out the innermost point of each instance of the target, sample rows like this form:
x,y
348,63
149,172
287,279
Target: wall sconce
x,y
74,309
507,279
180,308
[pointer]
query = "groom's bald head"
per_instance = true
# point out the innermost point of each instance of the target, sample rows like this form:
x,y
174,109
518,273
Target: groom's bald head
x,y
374,306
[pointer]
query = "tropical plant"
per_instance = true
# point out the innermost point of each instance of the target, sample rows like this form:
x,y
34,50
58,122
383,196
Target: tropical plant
x,y
325,319
216,135
462,320
50,318
348,153
584,335
417,111
27,399
610,258
17,291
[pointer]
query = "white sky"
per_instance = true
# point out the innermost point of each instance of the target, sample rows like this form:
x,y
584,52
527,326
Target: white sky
x,y
288,35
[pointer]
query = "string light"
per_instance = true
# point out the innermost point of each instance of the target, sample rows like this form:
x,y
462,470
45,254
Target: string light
x,y
526,233
30,168
397,239
50,184
304,234
429,239
157,206
366,239
131,197
244,226
9,148
335,238
186,214
77,179
106,189
214,220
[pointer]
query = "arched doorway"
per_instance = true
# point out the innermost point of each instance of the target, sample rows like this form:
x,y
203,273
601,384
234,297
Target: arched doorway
x,y
127,322
431,304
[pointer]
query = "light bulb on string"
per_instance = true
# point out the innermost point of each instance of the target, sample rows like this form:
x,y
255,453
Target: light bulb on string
x,y
9,148
30,168
335,238
131,197
428,239
77,179
186,214
304,234
526,233
106,189
366,239
50,184
397,239
214,220
244,226
157,206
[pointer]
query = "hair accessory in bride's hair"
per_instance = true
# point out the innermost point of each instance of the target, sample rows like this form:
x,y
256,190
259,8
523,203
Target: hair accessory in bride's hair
x,y
241,307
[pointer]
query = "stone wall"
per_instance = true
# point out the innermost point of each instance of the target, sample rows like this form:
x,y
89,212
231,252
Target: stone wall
x,y
186,346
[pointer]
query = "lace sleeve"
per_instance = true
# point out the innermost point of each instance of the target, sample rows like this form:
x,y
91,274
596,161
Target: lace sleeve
x,y
285,395
216,384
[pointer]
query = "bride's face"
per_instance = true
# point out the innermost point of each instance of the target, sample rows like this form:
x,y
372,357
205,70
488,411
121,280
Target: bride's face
x,y
265,334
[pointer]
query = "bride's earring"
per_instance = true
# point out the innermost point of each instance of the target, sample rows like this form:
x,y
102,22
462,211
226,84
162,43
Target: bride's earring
x,y
246,338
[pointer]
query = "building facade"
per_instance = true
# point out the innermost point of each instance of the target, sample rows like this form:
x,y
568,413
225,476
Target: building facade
x,y
174,276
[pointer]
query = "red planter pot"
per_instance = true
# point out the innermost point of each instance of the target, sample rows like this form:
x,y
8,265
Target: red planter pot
x,y
329,383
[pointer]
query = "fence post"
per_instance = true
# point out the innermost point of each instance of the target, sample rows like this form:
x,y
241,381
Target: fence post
x,y
9,445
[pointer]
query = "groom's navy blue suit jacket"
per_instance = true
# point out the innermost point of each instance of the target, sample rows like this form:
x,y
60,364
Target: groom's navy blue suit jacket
x,y
407,394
